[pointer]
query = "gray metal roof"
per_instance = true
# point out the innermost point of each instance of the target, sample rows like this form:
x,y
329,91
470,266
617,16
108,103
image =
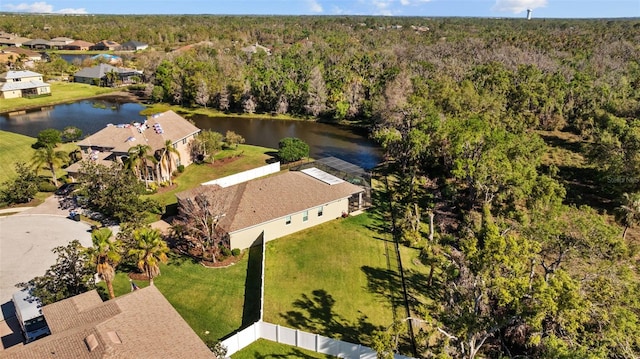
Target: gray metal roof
x,y
98,72
18,74
22,85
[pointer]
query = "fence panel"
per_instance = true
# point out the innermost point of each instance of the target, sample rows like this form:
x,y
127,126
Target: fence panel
x,y
287,336
367,353
328,346
245,176
307,341
242,339
348,350
269,331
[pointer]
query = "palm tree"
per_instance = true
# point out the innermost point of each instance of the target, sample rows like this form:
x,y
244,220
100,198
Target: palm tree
x,y
105,254
150,249
139,157
628,214
167,158
53,159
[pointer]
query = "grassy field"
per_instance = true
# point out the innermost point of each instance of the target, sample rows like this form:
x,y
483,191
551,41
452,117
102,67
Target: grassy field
x,y
244,158
14,148
61,92
333,280
209,299
162,107
265,349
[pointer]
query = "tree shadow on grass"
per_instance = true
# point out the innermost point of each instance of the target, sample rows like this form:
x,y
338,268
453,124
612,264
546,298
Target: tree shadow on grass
x,y
387,284
315,314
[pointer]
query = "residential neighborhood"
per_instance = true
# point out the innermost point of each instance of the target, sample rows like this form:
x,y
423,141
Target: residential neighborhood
x,y
262,180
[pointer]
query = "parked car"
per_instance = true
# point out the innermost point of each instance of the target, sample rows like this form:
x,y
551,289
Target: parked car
x,y
67,188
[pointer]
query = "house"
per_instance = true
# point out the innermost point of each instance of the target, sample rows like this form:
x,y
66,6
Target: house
x,y
8,39
112,143
105,45
275,206
38,44
14,84
140,324
78,45
19,57
59,43
133,46
97,75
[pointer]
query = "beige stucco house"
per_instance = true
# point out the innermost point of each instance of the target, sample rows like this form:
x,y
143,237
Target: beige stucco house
x,y
113,142
24,83
281,204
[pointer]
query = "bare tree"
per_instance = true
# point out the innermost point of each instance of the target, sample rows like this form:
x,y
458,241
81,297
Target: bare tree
x,y
199,220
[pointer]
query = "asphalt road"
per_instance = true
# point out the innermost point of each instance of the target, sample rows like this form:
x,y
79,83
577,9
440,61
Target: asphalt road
x,y
26,241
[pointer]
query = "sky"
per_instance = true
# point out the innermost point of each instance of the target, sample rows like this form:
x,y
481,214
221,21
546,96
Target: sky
x,y
467,8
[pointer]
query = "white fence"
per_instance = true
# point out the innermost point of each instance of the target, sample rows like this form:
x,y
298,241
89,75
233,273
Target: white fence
x,y
297,338
245,176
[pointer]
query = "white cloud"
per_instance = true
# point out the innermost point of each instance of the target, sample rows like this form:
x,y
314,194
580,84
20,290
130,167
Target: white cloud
x,y
72,11
42,7
382,7
314,6
518,6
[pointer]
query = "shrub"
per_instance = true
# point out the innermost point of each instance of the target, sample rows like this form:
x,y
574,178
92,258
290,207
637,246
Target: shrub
x,y
152,187
235,252
180,168
225,251
46,187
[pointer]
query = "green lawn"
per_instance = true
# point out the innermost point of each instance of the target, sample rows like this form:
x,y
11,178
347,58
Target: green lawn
x,y
333,280
209,299
249,157
14,148
61,92
266,349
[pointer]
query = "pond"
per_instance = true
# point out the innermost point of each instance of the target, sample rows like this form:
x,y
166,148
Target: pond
x,y
90,116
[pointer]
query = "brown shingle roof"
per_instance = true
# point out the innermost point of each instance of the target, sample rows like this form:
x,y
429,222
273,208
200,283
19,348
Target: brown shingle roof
x,y
119,138
144,325
269,198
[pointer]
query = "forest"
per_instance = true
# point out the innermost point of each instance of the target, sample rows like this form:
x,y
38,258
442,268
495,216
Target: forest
x,y
512,153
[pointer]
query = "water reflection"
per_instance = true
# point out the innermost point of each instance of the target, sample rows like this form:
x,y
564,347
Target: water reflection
x,y
90,116
324,140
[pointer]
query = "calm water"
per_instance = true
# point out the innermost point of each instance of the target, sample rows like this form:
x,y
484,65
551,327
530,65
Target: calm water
x,y
92,115
323,139
89,115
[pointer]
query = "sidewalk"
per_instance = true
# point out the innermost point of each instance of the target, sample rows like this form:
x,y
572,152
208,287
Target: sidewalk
x,y
14,210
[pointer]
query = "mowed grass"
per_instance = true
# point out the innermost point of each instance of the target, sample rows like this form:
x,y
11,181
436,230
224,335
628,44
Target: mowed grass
x,y
266,349
332,279
246,157
209,299
61,92
14,148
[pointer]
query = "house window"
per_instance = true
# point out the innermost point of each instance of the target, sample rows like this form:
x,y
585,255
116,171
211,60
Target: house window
x,y
320,211
288,220
305,216
184,141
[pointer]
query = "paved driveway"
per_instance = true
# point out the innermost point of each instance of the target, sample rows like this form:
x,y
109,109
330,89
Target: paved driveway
x,y
26,241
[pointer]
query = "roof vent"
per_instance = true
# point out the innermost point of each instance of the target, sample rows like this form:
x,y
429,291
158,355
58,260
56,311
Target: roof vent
x,y
115,338
92,342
